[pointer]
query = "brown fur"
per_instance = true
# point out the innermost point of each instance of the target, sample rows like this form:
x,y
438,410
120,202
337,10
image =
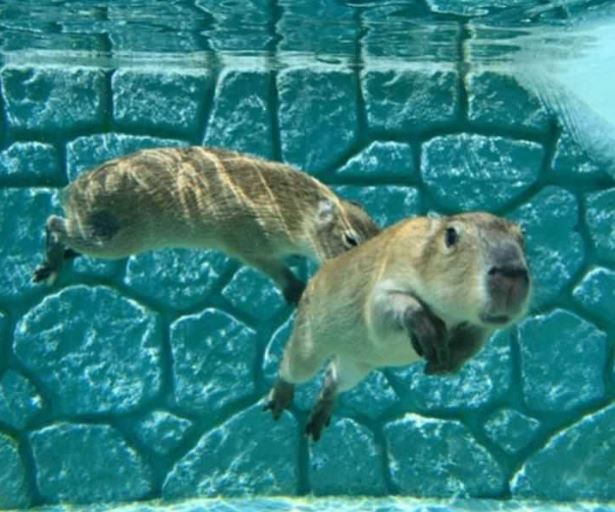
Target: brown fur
x,y
255,210
404,294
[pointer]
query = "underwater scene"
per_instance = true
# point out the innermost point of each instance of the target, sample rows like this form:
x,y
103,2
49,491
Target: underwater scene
x,y
152,375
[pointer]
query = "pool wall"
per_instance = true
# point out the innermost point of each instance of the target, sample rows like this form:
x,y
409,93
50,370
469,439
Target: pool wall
x,y
143,378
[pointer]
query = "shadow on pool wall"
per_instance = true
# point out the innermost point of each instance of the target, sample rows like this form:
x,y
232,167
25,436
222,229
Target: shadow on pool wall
x,y
141,378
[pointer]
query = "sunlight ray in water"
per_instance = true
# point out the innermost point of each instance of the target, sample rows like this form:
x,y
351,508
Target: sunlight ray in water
x,y
573,75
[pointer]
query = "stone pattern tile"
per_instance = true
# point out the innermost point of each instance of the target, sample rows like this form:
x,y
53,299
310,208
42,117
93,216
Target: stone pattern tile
x,y
317,111
235,29
245,455
474,172
433,457
86,367
13,493
159,100
206,384
29,162
72,459
581,348
148,374
242,100
19,400
48,99
579,461
492,94
405,101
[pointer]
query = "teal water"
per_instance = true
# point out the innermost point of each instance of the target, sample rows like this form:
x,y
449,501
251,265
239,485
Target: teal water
x,y
141,379
349,504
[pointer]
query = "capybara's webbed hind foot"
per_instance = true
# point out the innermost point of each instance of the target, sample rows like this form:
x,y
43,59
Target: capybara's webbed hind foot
x,y
280,398
55,251
320,416
44,272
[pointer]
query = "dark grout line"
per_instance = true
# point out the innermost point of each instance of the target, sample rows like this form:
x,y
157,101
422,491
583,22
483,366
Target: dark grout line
x,y
273,96
303,461
275,15
498,454
62,152
5,341
380,442
274,109
27,457
357,68
463,66
550,148
446,129
516,398
213,77
5,140
107,45
585,232
108,111
166,393
423,190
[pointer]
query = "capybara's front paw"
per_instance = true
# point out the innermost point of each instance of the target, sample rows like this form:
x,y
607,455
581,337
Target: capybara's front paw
x,y
280,397
428,336
441,368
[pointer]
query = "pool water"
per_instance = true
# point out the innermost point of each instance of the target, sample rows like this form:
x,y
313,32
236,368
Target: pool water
x,y
141,380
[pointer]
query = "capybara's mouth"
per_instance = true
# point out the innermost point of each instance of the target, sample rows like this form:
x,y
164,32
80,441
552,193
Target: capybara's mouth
x,y
495,319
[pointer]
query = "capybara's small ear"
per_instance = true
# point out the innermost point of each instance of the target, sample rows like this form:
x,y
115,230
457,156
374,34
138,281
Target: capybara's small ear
x,y
326,212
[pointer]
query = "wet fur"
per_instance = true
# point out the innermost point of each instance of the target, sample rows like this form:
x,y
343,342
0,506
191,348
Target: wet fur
x,y
365,309
255,210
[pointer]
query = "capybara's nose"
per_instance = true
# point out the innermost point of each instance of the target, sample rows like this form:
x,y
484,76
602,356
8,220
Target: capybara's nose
x,y
510,271
510,283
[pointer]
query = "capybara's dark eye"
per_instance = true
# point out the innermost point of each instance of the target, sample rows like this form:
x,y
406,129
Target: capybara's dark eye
x,y
350,240
451,237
